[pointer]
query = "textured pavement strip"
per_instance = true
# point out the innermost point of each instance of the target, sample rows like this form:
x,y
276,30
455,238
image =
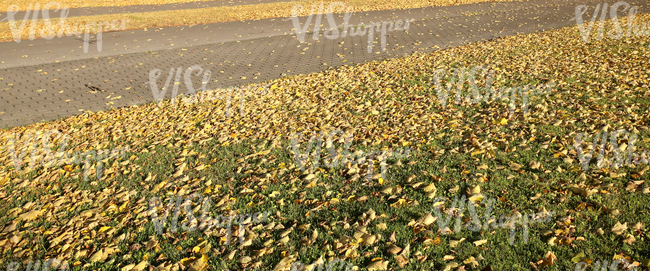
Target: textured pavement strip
x,y
92,11
267,49
116,43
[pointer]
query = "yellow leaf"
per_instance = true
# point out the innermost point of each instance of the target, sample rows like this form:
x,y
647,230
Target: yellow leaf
x,y
476,198
399,203
430,188
103,229
578,257
478,152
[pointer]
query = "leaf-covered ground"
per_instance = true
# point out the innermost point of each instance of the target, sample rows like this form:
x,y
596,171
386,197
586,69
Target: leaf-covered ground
x,y
526,162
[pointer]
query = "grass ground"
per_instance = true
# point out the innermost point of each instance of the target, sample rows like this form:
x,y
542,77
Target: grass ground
x,y
526,162
200,16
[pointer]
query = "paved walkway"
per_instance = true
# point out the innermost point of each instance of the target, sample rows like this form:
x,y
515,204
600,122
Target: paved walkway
x,y
37,87
91,11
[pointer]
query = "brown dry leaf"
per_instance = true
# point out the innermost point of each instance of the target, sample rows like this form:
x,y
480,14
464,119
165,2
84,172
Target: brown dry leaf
x,y
198,264
455,243
417,185
552,241
370,239
549,259
393,249
534,165
377,264
245,260
285,263
516,167
581,191
475,190
619,228
427,219
97,256
15,239
382,226
401,260
629,239
406,250
480,242
141,266
430,188
450,266
310,177
421,258
392,238
472,262
10,227
31,215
